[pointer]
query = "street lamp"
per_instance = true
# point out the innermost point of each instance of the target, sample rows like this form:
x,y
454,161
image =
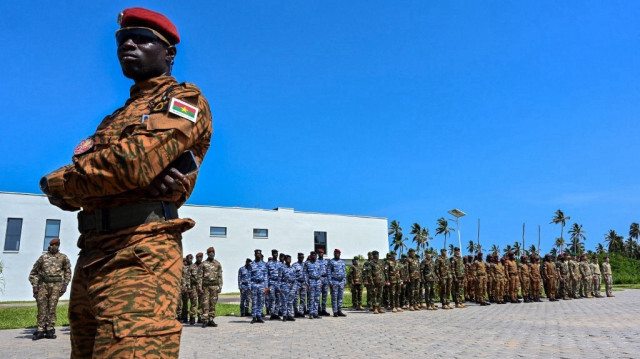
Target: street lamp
x,y
457,213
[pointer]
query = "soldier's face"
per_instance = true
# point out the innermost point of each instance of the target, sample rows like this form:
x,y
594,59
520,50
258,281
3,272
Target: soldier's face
x,y
54,248
300,258
189,259
313,257
336,255
412,254
198,259
211,255
144,57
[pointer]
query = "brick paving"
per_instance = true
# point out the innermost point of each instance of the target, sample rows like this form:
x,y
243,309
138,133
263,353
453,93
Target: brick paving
x,y
585,328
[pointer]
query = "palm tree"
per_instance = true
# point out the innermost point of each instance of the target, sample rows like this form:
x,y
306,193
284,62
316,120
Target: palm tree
x,y
577,234
507,249
559,244
443,228
394,228
516,249
553,252
399,244
451,249
426,236
600,248
471,247
396,232
634,231
614,241
562,219
495,249
416,230
533,250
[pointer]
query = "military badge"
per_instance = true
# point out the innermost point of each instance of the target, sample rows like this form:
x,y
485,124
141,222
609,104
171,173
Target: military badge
x,y
183,109
84,146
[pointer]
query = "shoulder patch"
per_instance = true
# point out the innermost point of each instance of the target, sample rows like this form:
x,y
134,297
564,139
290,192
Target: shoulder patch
x,y
183,109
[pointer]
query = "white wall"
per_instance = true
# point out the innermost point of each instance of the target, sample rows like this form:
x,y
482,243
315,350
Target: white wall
x,y
289,231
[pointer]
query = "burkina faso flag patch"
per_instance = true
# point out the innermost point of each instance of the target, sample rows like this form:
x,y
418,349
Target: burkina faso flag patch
x,y
183,109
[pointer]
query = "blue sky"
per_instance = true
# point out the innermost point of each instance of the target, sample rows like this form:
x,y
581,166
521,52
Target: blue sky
x,y
508,111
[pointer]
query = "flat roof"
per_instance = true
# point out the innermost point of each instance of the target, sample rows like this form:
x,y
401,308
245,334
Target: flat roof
x,y
238,208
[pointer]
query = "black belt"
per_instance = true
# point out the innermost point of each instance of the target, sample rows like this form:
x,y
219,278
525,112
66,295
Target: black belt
x,y
126,216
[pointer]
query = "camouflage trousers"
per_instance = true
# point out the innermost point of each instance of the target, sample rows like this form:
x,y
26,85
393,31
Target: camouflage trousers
x,y
481,289
535,289
414,292
596,285
315,286
245,299
325,294
429,293
286,296
514,282
376,295
257,299
586,287
458,290
356,295
498,289
525,286
272,299
575,287
200,300
445,290
209,301
300,300
608,284
394,291
189,297
123,304
47,301
550,288
565,286
337,295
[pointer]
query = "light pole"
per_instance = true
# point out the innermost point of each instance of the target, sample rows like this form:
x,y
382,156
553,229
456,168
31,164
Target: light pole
x,y
458,213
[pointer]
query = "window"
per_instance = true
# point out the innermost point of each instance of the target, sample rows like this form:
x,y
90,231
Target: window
x,y
260,233
12,238
320,241
218,231
51,231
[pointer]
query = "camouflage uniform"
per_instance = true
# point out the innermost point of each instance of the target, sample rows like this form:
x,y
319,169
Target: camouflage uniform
x,y
457,269
273,267
336,274
405,291
287,290
49,276
536,280
196,297
209,282
322,309
525,279
365,278
183,302
313,280
354,278
575,277
597,278
428,271
585,272
259,278
565,280
480,270
392,269
500,281
377,278
471,280
514,282
608,278
300,300
413,267
549,277
244,284
443,271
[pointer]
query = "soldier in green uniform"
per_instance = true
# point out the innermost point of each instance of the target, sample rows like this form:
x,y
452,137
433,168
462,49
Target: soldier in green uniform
x,y
413,267
393,269
574,277
457,269
428,272
585,272
354,278
194,286
378,280
49,278
443,271
209,284
404,273
365,278
184,281
564,277
385,289
597,277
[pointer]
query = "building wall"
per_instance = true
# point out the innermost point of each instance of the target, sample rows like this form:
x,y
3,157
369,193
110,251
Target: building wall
x,y
288,231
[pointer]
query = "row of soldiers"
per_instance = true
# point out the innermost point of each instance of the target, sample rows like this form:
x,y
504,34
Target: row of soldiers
x,y
411,284
199,287
291,290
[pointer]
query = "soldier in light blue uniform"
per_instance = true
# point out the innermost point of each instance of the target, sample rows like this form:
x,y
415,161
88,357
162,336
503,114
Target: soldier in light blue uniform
x,y
322,310
313,279
259,278
337,274
273,267
244,284
300,299
281,264
287,289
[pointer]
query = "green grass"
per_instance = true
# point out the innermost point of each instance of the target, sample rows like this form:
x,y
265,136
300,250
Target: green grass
x,y
25,317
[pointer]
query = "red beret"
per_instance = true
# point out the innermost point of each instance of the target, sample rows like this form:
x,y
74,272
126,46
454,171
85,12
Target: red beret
x,y
54,241
210,249
199,254
137,16
337,251
320,250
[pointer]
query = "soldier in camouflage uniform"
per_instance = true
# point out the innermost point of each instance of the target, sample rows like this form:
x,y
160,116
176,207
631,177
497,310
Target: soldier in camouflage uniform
x,y
470,279
300,300
49,278
259,281
428,272
549,277
457,269
525,279
244,284
210,285
185,281
354,278
608,277
126,285
514,280
324,291
413,267
574,275
564,277
193,275
585,272
392,269
313,278
183,289
337,275
385,289
365,278
405,291
287,289
273,266
597,278
480,270
536,278
443,271
500,280
378,280
491,278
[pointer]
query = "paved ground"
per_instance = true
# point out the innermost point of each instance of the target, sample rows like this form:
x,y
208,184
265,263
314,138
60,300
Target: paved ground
x,y
586,328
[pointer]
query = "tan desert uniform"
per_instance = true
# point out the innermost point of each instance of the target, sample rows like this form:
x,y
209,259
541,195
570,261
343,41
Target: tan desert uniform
x,y
512,271
536,280
210,284
597,279
480,270
608,278
525,280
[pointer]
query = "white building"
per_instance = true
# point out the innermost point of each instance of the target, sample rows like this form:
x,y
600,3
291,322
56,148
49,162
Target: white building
x,y
29,222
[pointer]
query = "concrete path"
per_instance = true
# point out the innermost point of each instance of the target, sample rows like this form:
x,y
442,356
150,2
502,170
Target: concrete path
x,y
586,328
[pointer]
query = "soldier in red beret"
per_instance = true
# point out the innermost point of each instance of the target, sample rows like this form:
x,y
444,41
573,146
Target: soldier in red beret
x,y
130,177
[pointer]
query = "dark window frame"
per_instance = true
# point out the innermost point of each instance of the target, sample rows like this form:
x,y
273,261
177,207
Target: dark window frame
x,y
48,238
316,243
7,234
216,235
256,234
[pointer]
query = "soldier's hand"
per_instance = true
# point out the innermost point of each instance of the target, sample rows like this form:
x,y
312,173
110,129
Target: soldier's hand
x,y
35,291
200,291
63,290
266,290
169,179
219,290
331,286
387,284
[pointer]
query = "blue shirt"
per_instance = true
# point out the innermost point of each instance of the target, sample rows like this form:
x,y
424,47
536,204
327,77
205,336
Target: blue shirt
x,y
287,274
273,266
323,266
312,271
259,273
298,269
244,277
336,270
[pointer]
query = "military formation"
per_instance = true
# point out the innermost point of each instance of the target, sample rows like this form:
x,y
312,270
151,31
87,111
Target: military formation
x,y
200,285
285,290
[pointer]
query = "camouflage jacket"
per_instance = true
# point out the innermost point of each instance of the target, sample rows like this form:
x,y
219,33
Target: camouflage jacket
x,y
413,267
534,272
499,272
393,269
606,268
185,282
209,273
193,274
428,270
563,268
574,269
376,272
523,271
355,275
443,268
548,270
480,269
51,268
595,269
457,267
585,270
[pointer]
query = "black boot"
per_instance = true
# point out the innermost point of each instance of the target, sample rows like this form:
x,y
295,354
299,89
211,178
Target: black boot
x,y
199,320
290,319
254,320
50,334
192,321
260,320
38,335
212,323
204,323
274,317
340,314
